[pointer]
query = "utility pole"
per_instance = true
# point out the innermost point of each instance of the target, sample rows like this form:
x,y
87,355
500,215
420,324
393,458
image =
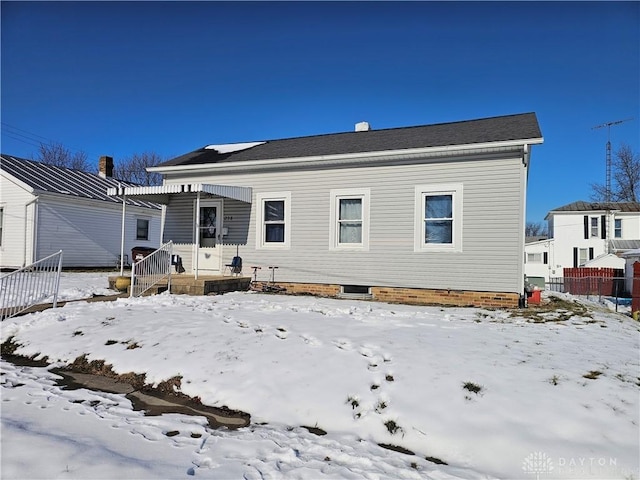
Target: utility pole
x,y
607,193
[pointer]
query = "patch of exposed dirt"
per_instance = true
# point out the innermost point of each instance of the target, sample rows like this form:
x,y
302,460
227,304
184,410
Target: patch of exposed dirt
x,y
165,397
553,309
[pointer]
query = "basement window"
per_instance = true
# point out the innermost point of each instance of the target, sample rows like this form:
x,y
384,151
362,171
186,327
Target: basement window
x,y
355,291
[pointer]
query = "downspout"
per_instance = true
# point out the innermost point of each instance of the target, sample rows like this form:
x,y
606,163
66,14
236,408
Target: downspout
x,y
33,230
197,232
525,161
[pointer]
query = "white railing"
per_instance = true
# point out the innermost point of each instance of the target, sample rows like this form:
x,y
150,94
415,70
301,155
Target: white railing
x,y
151,270
30,285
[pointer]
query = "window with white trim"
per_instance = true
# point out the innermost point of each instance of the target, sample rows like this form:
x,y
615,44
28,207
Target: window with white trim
x,y
273,220
349,216
583,256
617,228
142,229
1,223
595,232
534,257
438,223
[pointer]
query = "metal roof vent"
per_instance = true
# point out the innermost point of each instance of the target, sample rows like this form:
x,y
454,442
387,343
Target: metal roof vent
x,y
363,127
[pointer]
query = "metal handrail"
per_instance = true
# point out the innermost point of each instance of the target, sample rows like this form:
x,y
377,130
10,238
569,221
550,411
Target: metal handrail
x,y
30,285
151,270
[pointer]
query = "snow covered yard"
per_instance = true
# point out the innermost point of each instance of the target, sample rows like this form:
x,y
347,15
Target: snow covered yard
x,y
494,394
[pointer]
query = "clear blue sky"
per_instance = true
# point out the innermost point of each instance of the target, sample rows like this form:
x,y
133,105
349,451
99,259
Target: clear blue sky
x,y
117,78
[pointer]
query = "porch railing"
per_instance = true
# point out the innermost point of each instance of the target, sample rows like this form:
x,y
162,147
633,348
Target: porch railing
x,y
30,286
151,270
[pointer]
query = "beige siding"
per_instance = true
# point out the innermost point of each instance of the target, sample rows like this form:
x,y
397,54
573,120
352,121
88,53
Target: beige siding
x,y
491,257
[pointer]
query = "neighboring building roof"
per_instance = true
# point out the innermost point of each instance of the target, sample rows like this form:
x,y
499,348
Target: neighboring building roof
x,y
496,129
537,238
623,245
42,177
606,260
581,206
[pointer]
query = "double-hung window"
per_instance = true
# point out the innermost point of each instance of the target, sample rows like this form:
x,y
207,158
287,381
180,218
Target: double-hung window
x,y
534,257
595,232
617,228
142,229
438,224
350,219
274,220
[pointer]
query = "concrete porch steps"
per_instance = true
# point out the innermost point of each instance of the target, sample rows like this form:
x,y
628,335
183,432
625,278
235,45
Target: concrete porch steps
x,y
203,285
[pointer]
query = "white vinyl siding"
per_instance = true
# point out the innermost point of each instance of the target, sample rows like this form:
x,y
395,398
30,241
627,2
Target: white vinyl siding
x,y
490,256
17,232
88,233
349,219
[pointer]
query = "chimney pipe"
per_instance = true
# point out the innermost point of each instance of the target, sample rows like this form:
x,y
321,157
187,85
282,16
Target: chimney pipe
x,y
363,127
105,167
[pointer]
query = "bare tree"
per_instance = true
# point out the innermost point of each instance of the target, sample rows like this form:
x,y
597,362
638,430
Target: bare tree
x,y
625,175
133,169
60,156
535,229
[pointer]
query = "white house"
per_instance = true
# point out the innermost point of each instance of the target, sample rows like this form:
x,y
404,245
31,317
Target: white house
x,y
44,209
584,234
424,214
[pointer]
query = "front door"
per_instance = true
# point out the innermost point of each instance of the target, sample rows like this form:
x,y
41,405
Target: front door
x,y
210,236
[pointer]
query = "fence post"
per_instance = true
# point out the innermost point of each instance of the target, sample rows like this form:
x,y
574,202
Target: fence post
x,y
133,277
57,287
635,291
169,269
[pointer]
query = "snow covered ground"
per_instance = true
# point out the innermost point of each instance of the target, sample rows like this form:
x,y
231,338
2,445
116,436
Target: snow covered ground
x,y
494,394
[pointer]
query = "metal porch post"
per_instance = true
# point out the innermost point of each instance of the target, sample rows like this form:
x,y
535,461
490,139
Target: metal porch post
x,y
197,232
124,208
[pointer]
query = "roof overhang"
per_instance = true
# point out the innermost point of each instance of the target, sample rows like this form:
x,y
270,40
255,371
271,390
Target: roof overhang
x,y
162,193
362,157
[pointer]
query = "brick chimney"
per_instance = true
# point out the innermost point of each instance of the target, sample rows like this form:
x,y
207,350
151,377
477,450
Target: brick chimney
x,y
105,167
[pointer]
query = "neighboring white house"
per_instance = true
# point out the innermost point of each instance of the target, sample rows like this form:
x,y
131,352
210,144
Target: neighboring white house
x,y
424,214
44,209
584,234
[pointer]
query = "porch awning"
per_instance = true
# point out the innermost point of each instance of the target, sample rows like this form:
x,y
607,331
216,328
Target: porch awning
x,y
161,193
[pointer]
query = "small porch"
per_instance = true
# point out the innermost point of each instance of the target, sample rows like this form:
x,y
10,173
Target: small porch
x,y
194,217
187,284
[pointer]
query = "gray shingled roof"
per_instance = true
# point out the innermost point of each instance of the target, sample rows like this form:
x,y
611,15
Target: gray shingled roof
x,y
496,129
65,181
581,206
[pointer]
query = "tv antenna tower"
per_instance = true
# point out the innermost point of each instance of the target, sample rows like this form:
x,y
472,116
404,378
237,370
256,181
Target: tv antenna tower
x,y
608,125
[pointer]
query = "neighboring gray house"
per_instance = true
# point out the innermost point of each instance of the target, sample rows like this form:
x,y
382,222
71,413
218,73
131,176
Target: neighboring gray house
x,y
424,214
44,209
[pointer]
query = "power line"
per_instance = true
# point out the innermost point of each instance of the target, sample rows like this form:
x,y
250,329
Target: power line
x,y
33,139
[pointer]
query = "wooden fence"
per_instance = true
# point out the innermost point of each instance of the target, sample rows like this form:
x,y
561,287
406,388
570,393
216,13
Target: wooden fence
x,y
594,281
